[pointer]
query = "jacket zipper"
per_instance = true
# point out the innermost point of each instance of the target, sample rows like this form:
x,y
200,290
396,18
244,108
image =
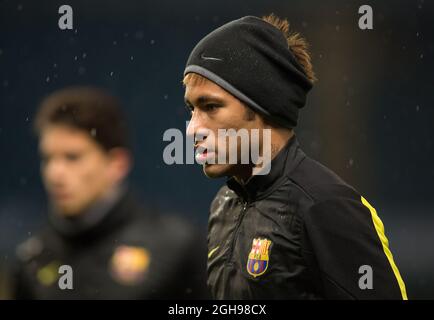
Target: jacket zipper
x,y
237,227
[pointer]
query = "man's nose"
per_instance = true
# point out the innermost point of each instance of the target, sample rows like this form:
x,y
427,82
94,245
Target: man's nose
x,y
196,129
54,171
196,123
191,128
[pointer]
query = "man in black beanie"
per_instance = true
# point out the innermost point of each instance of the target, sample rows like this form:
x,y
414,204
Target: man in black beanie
x,y
99,242
299,231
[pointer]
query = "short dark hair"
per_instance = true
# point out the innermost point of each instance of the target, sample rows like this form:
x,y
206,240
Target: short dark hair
x,y
89,109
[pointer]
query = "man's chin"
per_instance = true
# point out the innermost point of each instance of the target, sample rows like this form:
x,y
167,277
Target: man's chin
x,y
215,171
68,209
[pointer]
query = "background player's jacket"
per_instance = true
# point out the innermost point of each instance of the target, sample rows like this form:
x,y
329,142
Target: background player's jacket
x,y
299,232
129,254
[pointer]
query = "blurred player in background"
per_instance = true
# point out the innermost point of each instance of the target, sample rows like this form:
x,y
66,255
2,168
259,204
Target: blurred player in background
x,y
300,231
115,249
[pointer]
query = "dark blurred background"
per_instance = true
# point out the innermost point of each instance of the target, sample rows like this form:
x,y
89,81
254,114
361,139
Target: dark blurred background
x,y
369,117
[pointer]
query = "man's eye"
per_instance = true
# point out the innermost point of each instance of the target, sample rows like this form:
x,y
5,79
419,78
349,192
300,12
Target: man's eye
x,y
72,157
211,107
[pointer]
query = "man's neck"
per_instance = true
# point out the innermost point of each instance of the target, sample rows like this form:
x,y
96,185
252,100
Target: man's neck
x,y
90,216
279,138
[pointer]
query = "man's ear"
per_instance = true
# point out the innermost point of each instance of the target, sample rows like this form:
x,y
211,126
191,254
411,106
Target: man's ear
x,y
121,162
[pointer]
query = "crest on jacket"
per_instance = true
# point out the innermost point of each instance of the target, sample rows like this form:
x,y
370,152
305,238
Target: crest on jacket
x,y
257,263
129,264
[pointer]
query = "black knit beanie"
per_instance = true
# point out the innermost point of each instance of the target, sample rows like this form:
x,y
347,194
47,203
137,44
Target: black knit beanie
x,y
250,59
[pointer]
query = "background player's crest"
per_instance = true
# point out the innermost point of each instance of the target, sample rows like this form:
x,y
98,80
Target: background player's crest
x,y
257,263
129,264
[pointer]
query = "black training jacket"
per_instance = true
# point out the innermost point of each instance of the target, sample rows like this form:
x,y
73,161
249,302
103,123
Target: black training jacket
x,y
299,232
132,253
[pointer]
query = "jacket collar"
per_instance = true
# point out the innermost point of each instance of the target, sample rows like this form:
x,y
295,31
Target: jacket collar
x,y
98,216
259,186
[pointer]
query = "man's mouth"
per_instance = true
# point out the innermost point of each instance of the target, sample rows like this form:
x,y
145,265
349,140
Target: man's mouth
x,y
202,154
60,196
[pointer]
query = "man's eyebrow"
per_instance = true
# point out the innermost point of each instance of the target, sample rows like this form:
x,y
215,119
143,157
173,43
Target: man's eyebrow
x,y
201,100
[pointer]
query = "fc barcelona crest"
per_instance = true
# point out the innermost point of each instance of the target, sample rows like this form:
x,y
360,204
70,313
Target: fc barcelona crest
x,y
257,263
129,264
